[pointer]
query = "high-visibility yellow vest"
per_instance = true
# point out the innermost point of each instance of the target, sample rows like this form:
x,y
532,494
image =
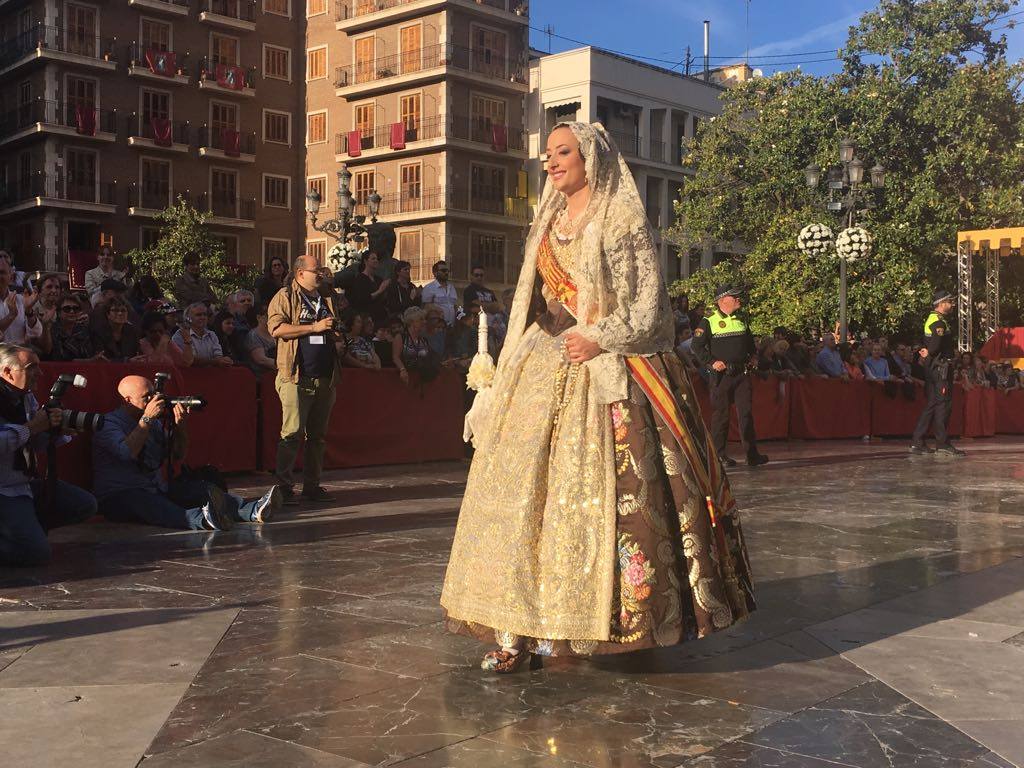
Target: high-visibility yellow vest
x,y
933,318
726,325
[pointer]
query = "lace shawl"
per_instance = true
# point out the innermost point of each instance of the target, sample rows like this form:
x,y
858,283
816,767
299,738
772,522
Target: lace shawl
x,y
623,303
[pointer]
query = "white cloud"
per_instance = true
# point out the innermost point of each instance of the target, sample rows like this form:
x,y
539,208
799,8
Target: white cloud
x,y
833,32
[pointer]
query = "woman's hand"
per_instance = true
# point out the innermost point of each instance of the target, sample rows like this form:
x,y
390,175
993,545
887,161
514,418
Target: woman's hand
x,y
403,374
580,350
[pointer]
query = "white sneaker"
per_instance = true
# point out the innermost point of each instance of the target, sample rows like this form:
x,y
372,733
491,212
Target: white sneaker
x,y
209,520
268,505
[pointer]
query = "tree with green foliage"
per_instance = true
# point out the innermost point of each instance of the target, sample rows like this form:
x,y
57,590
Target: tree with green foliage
x,y
926,90
183,231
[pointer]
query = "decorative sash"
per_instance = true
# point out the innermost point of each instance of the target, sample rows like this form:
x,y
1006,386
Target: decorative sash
x,y
706,468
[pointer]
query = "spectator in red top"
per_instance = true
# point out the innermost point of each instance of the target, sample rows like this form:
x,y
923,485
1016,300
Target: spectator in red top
x,y
156,348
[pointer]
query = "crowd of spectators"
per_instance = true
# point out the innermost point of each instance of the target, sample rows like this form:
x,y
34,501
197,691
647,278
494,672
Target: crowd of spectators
x,y
386,323
890,362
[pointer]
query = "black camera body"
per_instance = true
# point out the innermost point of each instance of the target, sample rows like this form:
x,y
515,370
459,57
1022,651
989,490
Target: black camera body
x,y
71,419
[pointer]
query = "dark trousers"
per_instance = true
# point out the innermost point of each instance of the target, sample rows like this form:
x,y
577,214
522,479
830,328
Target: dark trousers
x,y
24,521
938,392
180,507
726,389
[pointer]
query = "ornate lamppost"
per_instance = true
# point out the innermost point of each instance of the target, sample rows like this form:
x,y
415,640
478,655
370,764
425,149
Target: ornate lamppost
x,y
349,223
847,194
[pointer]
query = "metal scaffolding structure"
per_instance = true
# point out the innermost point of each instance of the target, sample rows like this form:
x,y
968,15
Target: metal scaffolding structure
x,y
992,245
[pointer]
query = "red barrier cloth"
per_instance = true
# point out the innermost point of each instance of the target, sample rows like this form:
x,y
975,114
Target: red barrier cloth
x,y
1010,412
499,137
355,143
895,416
224,434
231,140
161,62
398,135
161,131
230,76
85,121
379,420
1006,342
979,412
830,408
771,408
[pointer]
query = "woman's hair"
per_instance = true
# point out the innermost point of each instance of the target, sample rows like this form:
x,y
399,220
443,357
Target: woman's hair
x,y
365,258
400,265
147,287
218,321
116,301
150,319
412,314
268,270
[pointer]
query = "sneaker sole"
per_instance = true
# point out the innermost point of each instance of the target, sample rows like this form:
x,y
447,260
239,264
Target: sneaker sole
x,y
272,507
218,500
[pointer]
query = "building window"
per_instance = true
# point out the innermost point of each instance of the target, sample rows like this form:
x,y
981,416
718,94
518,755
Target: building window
x,y
411,44
488,251
362,186
81,98
316,127
224,192
82,30
273,248
223,117
230,243
412,114
317,249
485,113
364,55
411,197
316,7
278,7
277,126
148,236
81,175
277,62
277,191
223,49
410,249
488,54
155,182
487,189
156,108
316,63
318,184
363,116
156,35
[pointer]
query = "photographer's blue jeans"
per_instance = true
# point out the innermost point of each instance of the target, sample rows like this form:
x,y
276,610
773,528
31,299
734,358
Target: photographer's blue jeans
x,y
24,522
137,505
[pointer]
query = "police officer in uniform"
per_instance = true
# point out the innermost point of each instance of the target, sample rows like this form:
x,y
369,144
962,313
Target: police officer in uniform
x,y
937,359
723,344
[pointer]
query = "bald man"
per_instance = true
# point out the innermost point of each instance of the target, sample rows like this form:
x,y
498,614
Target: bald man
x,y
128,454
301,319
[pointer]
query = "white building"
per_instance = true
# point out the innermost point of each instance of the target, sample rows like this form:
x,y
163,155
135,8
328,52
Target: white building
x,y
648,110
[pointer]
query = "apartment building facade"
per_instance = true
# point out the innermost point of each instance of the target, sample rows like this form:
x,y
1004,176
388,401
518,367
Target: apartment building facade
x,y
424,102
111,109
649,111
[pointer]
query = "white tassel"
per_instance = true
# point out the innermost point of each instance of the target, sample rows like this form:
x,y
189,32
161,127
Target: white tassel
x,y
481,370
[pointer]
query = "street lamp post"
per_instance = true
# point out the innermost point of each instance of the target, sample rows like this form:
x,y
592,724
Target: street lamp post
x,y
847,194
348,223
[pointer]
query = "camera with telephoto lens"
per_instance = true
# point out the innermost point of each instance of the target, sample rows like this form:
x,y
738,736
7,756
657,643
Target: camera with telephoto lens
x,y
192,402
71,419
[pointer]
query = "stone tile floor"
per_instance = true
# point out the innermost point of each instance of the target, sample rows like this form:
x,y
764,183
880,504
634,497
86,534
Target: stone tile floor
x,y
890,633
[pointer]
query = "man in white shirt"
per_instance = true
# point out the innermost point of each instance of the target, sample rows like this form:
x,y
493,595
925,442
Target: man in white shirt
x,y
204,342
442,292
104,271
18,321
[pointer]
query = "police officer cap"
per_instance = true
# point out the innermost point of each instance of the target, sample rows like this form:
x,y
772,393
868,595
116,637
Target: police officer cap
x,y
727,290
941,296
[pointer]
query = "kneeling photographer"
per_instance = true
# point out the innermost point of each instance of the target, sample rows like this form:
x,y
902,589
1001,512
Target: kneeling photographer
x,y
28,509
129,452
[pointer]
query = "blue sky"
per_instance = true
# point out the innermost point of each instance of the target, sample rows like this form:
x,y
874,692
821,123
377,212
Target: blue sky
x,y
778,29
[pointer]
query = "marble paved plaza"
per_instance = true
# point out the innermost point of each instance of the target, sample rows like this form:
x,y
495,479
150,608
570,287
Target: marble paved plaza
x,y
890,633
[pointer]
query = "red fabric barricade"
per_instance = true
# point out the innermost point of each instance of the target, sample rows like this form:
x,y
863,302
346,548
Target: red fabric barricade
x,y
771,407
979,412
224,434
378,420
830,408
1010,412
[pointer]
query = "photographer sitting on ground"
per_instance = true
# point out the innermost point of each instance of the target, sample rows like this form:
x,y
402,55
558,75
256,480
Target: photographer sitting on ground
x,y
128,455
24,429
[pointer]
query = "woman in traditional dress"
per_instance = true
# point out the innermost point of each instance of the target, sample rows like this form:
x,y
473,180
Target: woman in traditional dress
x,y
596,517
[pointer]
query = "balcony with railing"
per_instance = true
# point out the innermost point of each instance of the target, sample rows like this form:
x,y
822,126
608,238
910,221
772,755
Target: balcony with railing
x,y
352,14
226,144
83,193
387,136
415,199
70,46
430,61
176,7
235,14
228,208
45,116
170,67
227,79
500,138
148,132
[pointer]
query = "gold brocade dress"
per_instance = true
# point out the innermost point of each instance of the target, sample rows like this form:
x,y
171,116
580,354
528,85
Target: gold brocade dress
x,y
582,530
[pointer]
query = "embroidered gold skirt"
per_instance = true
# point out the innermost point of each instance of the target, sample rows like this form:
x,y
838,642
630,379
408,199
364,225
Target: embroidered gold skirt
x,y
582,530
